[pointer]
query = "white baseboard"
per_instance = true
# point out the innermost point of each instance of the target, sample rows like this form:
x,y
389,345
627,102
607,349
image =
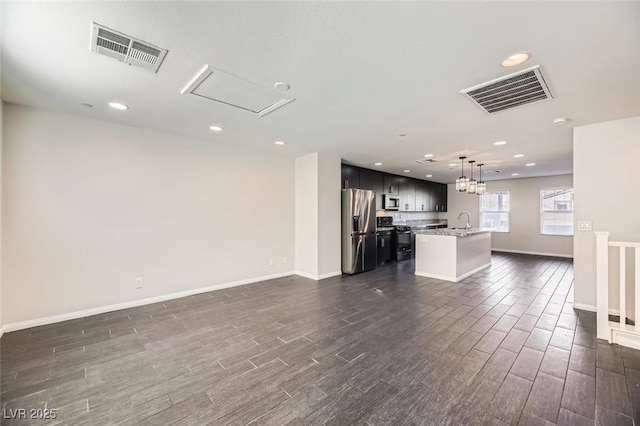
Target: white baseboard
x,y
629,338
473,271
1,332
591,308
134,303
535,253
452,278
436,276
318,277
584,307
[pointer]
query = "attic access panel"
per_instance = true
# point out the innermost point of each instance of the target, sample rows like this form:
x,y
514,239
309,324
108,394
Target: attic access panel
x,y
219,86
513,90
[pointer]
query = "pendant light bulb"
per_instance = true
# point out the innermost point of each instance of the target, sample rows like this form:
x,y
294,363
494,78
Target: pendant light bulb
x,y
472,186
481,188
462,181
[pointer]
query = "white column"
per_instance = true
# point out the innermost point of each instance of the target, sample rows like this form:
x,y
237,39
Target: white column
x,y
317,215
306,215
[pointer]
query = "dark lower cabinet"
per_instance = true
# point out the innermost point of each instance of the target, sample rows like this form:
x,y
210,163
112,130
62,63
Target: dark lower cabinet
x,y
384,247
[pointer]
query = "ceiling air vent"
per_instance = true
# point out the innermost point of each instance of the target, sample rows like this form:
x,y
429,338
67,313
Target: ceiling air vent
x,y
124,48
510,91
425,160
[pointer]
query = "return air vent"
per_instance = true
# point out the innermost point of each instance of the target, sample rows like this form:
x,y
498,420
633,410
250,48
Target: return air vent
x,y
124,48
510,91
426,160
492,172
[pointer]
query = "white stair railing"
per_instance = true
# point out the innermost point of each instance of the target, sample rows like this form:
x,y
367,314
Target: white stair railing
x,y
616,332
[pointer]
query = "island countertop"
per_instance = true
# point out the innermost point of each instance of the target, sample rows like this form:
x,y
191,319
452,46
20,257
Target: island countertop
x,y
454,232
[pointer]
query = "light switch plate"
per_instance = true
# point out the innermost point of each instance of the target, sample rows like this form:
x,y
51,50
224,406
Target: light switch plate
x,y
584,225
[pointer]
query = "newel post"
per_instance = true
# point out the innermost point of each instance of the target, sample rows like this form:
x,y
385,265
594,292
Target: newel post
x,y
602,285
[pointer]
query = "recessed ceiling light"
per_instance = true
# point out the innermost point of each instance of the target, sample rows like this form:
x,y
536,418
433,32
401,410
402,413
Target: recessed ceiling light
x,y
281,85
429,176
378,164
530,164
118,105
279,142
215,128
407,170
518,156
516,59
500,143
428,155
452,164
87,105
559,121
515,174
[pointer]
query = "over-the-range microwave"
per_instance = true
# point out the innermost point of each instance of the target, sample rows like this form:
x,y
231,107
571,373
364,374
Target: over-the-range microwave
x,y
390,202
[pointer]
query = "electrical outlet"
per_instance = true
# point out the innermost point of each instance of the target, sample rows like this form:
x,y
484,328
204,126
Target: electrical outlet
x,y
138,283
272,261
584,225
284,259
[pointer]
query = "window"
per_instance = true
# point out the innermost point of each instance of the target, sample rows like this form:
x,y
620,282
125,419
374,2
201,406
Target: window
x,y
494,211
556,211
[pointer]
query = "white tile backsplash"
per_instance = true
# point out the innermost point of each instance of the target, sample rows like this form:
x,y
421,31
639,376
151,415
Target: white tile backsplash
x,y
404,216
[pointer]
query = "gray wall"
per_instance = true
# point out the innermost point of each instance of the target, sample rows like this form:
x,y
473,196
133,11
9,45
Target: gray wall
x,y
88,206
524,218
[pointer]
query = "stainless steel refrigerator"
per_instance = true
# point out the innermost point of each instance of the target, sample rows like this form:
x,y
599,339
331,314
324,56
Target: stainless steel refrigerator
x,y
359,246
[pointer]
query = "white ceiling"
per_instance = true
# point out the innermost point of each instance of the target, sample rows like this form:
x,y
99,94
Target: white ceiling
x,y
361,73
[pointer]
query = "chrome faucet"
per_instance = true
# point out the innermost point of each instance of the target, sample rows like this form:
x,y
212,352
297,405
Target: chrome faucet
x,y
467,227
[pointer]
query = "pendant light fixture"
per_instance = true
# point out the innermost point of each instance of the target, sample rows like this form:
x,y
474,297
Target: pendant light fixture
x,y
473,184
462,181
481,187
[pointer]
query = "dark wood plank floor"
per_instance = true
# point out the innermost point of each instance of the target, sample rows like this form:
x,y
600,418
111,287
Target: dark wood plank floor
x,y
505,346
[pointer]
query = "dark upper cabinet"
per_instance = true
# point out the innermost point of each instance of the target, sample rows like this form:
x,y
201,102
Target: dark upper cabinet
x,y
391,184
374,181
350,176
438,197
370,179
415,195
423,194
441,205
407,195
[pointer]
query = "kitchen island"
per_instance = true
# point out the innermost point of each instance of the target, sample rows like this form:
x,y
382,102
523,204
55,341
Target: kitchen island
x,y
452,254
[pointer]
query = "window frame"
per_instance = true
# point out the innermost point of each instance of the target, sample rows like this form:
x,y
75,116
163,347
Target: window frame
x,y
508,212
541,211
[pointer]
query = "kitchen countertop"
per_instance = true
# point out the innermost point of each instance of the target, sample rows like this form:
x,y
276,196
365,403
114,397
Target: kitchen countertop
x,y
454,232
